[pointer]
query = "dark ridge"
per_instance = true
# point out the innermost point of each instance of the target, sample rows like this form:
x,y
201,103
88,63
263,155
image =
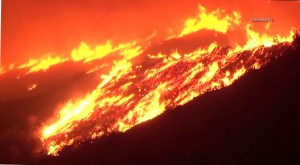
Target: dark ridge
x,y
254,121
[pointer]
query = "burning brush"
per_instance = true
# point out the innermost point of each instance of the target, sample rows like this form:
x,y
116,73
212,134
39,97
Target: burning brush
x,y
130,93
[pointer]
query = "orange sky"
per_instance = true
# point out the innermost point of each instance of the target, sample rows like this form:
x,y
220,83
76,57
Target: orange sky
x,y
32,28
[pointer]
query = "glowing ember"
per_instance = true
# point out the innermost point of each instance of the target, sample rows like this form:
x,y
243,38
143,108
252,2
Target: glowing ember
x,y
32,87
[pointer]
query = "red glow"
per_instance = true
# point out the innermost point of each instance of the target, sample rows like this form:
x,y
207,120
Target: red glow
x,y
116,42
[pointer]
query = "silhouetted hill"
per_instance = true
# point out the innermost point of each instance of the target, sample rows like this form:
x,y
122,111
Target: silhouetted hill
x,y
254,121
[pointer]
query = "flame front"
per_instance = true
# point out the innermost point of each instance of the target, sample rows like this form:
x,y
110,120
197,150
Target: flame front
x,y
130,94
211,21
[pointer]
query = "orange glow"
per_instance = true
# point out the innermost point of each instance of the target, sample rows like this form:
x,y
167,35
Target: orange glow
x,y
84,53
2,70
132,92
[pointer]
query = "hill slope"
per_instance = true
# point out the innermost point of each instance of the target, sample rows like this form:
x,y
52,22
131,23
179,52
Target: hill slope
x,y
254,121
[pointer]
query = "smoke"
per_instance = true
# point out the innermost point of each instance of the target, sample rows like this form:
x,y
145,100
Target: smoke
x,y
23,112
33,28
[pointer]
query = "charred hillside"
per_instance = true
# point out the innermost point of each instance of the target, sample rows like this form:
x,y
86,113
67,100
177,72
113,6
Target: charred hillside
x,y
254,121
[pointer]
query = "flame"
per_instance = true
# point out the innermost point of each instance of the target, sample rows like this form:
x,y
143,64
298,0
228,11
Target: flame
x,y
87,54
148,107
42,64
84,53
130,94
255,39
211,21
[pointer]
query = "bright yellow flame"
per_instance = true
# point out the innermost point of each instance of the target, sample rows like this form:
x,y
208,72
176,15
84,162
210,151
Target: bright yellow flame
x,y
84,52
210,21
87,54
149,107
212,70
81,110
71,112
131,52
42,64
256,40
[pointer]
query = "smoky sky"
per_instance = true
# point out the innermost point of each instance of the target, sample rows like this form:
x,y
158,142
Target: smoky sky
x,y
33,28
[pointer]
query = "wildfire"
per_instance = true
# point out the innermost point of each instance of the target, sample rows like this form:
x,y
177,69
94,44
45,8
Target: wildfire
x,y
130,94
